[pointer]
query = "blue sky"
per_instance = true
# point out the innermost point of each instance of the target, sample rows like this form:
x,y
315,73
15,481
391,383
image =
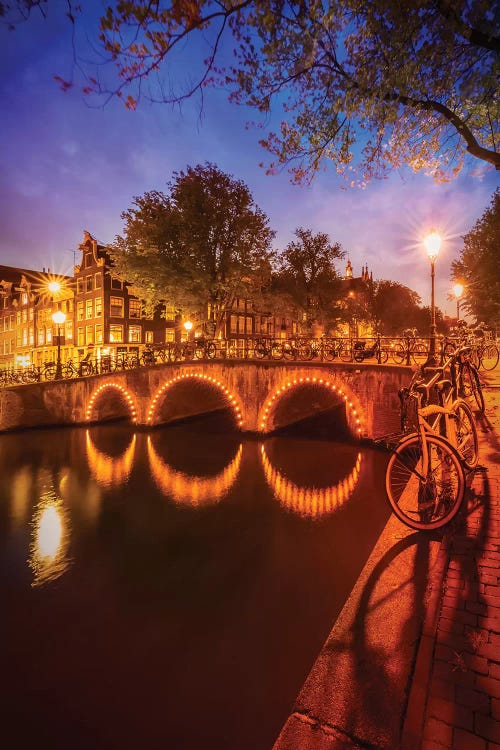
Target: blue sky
x,y
66,167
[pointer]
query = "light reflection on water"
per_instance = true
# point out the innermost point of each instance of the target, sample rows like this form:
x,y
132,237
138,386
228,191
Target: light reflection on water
x,y
190,552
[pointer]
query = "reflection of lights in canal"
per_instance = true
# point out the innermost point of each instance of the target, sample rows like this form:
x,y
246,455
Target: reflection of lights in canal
x,y
310,501
109,471
49,547
189,490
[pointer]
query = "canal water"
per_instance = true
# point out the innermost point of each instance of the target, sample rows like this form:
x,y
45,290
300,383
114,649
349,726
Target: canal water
x,y
172,589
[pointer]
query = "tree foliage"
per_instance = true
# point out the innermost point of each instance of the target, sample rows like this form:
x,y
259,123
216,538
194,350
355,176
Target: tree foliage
x,y
198,247
367,85
306,276
478,267
394,307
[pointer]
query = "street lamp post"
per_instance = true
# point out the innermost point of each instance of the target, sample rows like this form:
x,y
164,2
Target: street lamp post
x,y
458,290
188,327
432,244
59,317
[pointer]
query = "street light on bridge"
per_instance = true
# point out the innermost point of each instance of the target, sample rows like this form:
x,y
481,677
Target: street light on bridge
x,y
432,244
59,318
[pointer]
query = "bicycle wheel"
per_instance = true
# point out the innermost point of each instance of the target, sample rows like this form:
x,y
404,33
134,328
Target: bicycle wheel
x,y
49,372
211,350
328,352
470,387
260,350
466,434
430,500
384,356
345,353
188,351
419,353
398,354
305,352
276,351
490,357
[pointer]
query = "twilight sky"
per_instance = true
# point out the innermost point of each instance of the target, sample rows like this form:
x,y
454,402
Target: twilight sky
x,y
66,167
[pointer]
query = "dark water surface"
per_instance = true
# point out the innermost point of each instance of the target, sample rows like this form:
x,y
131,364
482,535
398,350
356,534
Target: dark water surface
x,y
172,590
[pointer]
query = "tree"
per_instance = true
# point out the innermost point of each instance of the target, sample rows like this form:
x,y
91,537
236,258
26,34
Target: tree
x,y
198,248
478,267
367,85
395,307
306,276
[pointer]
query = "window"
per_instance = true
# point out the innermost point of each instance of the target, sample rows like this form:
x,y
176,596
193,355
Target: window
x,y
97,307
18,317
24,298
148,337
234,323
241,324
98,334
31,336
25,337
248,324
134,308
11,322
80,286
116,283
31,315
169,312
116,333
98,281
69,330
169,335
41,336
25,316
79,310
88,284
48,335
80,336
89,308
88,260
134,334
116,307
89,334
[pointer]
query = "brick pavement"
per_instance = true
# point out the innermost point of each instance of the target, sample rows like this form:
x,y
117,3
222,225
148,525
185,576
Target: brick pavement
x,y
460,704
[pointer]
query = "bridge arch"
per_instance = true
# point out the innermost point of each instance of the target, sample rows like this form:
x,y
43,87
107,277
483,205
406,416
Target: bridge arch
x,y
125,399
229,398
268,419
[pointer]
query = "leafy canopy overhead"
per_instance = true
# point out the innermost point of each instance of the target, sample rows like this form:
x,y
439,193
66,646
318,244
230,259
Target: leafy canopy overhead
x,y
478,267
198,247
368,85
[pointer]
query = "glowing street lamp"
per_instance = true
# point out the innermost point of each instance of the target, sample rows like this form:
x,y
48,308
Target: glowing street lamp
x,y
432,244
59,318
458,290
188,327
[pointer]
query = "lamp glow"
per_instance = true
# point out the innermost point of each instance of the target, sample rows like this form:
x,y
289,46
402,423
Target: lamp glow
x,y
432,244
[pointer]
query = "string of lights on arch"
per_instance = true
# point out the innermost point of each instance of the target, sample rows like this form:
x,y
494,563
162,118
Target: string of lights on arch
x,y
125,393
290,384
310,502
233,401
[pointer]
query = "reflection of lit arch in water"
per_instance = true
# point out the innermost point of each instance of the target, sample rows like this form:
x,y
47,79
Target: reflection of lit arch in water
x,y
187,490
50,540
310,501
109,471
116,387
229,397
354,417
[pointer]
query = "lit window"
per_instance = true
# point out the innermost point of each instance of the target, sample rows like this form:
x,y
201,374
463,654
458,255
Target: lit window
x,y
97,307
116,333
89,334
234,323
134,308
134,334
98,334
80,336
116,307
79,310
89,308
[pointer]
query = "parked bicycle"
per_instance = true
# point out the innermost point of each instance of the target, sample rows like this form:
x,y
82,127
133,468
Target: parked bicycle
x,y
362,351
426,473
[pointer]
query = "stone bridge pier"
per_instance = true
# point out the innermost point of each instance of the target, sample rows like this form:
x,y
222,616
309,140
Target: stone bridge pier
x,y
262,396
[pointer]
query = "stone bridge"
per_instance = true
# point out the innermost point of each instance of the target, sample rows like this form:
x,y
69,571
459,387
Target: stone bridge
x,y
262,396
